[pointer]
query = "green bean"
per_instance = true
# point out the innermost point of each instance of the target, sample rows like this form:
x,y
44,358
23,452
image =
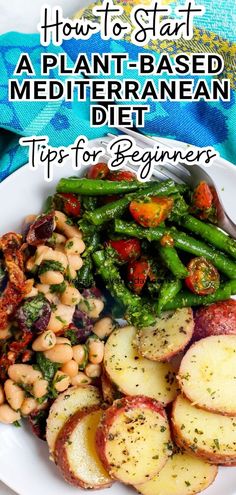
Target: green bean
x,y
108,212
168,291
182,241
97,187
209,233
117,208
89,203
232,284
187,299
137,313
85,276
171,259
48,205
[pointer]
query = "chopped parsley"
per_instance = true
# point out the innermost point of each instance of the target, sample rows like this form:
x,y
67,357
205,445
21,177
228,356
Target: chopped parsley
x,y
17,424
216,443
32,309
59,288
47,367
71,334
50,265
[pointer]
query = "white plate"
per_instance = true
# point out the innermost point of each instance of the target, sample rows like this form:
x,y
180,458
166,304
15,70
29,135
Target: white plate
x,y
24,464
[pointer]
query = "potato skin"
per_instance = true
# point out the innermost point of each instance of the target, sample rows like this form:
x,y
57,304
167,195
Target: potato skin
x,y
109,416
212,458
109,390
217,319
181,321
61,411
60,454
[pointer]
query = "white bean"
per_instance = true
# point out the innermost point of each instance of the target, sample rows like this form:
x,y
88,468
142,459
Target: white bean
x,y
45,341
32,405
72,231
30,290
80,353
92,306
45,253
32,293
93,370
71,368
68,230
42,253
30,264
63,340
80,379
61,249
40,388
44,288
29,405
72,273
96,351
8,415
104,327
52,298
2,395
14,394
51,277
61,381
59,256
24,373
59,238
75,261
74,245
71,296
61,317
61,353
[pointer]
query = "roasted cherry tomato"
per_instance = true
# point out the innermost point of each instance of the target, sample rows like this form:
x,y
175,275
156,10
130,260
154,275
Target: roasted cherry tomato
x,y
151,211
98,171
167,240
122,175
202,196
127,249
110,198
71,204
203,277
137,274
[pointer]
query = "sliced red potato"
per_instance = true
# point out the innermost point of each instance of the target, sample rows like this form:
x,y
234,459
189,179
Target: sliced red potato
x,y
183,474
170,335
217,319
134,374
205,434
75,451
207,374
69,402
133,439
